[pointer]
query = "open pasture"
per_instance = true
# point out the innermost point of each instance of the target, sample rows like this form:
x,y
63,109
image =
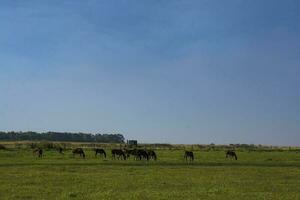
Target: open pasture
x,y
255,175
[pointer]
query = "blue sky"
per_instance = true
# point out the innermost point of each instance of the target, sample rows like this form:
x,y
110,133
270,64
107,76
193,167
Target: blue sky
x,y
157,71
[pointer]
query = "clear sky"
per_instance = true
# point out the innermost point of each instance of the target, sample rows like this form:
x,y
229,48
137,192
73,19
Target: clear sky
x,y
158,71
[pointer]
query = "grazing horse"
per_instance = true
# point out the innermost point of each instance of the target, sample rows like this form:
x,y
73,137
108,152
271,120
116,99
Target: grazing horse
x,y
142,154
152,155
101,152
79,151
133,152
188,155
120,153
231,154
129,152
38,151
60,150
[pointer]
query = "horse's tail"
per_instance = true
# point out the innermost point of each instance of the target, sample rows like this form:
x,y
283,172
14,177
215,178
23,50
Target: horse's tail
x,y
83,154
235,156
104,153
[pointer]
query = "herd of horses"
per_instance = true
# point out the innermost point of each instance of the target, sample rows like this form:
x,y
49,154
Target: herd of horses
x,y
124,154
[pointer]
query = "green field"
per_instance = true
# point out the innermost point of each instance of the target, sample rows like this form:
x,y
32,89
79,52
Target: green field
x,y
256,175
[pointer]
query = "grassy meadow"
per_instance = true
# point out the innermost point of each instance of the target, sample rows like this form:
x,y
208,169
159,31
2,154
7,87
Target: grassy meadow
x,y
255,175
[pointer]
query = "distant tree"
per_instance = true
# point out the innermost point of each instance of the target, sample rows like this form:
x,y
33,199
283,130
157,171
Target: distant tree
x,y
62,136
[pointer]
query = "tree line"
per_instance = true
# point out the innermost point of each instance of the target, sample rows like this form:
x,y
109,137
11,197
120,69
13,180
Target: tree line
x,y
61,136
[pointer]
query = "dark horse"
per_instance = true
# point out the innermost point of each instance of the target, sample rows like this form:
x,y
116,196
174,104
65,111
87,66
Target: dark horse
x,y
60,150
188,155
79,151
101,152
152,155
142,154
129,152
118,152
38,151
231,154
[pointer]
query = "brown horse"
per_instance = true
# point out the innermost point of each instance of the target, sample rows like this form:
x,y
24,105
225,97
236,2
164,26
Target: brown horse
x,y
118,152
101,152
79,151
231,154
152,155
142,154
60,150
38,152
188,156
132,152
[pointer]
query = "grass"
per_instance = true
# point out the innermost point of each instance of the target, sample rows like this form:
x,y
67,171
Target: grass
x,y
256,175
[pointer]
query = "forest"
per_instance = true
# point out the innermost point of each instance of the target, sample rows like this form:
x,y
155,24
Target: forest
x,y
61,136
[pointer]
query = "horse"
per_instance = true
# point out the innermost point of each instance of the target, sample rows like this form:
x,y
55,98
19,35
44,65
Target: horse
x,y
188,155
129,152
120,153
142,154
152,155
60,150
38,151
79,151
101,152
231,154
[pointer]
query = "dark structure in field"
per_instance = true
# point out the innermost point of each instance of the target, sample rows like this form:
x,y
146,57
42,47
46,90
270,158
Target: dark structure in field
x,y
118,153
79,151
101,152
231,154
132,143
188,156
